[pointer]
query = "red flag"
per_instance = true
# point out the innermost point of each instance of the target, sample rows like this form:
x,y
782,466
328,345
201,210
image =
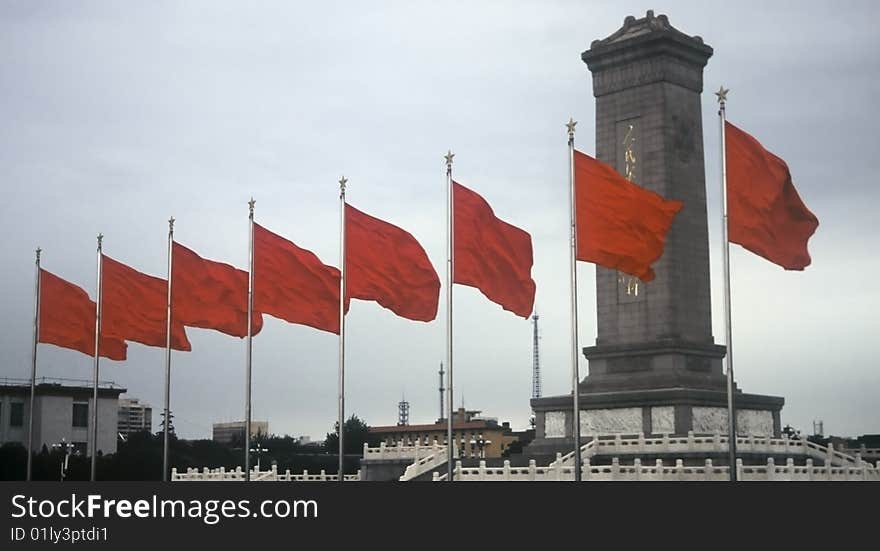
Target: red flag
x,y
765,213
620,225
67,319
209,294
134,307
386,264
490,254
293,284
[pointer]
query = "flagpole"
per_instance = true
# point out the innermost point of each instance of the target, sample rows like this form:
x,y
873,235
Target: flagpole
x,y
30,446
342,292
575,377
94,460
167,357
249,353
731,408
450,256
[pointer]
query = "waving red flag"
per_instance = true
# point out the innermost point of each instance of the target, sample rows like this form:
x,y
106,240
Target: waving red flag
x,y
386,264
134,307
209,294
490,254
67,319
293,284
620,225
765,213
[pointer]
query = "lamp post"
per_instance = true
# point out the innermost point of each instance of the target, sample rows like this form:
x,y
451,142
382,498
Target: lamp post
x,y
480,443
65,448
259,449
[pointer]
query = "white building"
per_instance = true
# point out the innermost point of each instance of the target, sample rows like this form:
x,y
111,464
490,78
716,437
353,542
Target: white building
x,y
62,409
134,416
233,433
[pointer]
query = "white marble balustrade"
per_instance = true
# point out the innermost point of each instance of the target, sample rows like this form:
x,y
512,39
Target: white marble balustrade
x,y
272,475
714,443
659,471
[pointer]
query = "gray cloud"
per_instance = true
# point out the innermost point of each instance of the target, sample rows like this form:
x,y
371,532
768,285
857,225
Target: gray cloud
x,y
117,116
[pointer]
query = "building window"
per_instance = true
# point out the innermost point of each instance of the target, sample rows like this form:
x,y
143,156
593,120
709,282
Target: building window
x,y
16,414
81,414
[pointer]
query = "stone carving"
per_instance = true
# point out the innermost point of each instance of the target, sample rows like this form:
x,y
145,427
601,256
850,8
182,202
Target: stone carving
x,y
554,424
748,421
663,420
753,421
611,421
708,420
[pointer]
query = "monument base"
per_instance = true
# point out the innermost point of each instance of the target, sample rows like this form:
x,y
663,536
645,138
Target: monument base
x,y
672,411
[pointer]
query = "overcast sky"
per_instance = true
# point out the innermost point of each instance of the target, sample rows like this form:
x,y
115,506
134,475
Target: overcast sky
x,y
117,115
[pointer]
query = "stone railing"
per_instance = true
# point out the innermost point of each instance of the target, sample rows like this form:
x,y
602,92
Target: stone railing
x,y
272,475
425,464
400,451
587,451
715,443
863,452
660,472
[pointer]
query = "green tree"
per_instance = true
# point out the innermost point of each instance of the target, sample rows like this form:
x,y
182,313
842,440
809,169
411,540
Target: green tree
x,y
356,433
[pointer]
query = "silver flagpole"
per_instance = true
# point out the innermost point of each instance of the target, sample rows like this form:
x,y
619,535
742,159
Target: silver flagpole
x,y
249,353
450,257
30,447
97,361
731,408
575,377
342,288
167,357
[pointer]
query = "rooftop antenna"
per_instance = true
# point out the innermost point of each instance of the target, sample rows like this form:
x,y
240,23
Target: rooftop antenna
x,y
403,412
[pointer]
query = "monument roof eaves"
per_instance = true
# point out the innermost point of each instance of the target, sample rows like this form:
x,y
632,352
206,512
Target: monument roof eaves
x,y
637,32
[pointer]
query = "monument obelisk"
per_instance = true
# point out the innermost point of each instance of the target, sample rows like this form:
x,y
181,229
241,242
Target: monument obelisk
x,y
655,366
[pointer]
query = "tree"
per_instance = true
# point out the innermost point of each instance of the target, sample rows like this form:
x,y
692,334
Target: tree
x,y
356,433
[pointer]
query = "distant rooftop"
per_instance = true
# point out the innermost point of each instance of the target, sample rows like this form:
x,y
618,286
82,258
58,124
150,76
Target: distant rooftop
x,y
59,386
60,382
129,401
435,427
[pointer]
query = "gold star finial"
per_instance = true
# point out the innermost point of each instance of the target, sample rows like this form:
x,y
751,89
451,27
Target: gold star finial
x,y
100,240
722,95
570,125
171,223
39,250
449,156
251,204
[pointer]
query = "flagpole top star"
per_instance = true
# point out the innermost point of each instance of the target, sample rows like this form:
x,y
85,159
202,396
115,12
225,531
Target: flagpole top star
x,y
449,156
100,240
722,95
251,204
570,126
343,182
39,250
171,223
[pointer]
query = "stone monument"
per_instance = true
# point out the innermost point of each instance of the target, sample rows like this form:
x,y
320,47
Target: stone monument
x,y
655,367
